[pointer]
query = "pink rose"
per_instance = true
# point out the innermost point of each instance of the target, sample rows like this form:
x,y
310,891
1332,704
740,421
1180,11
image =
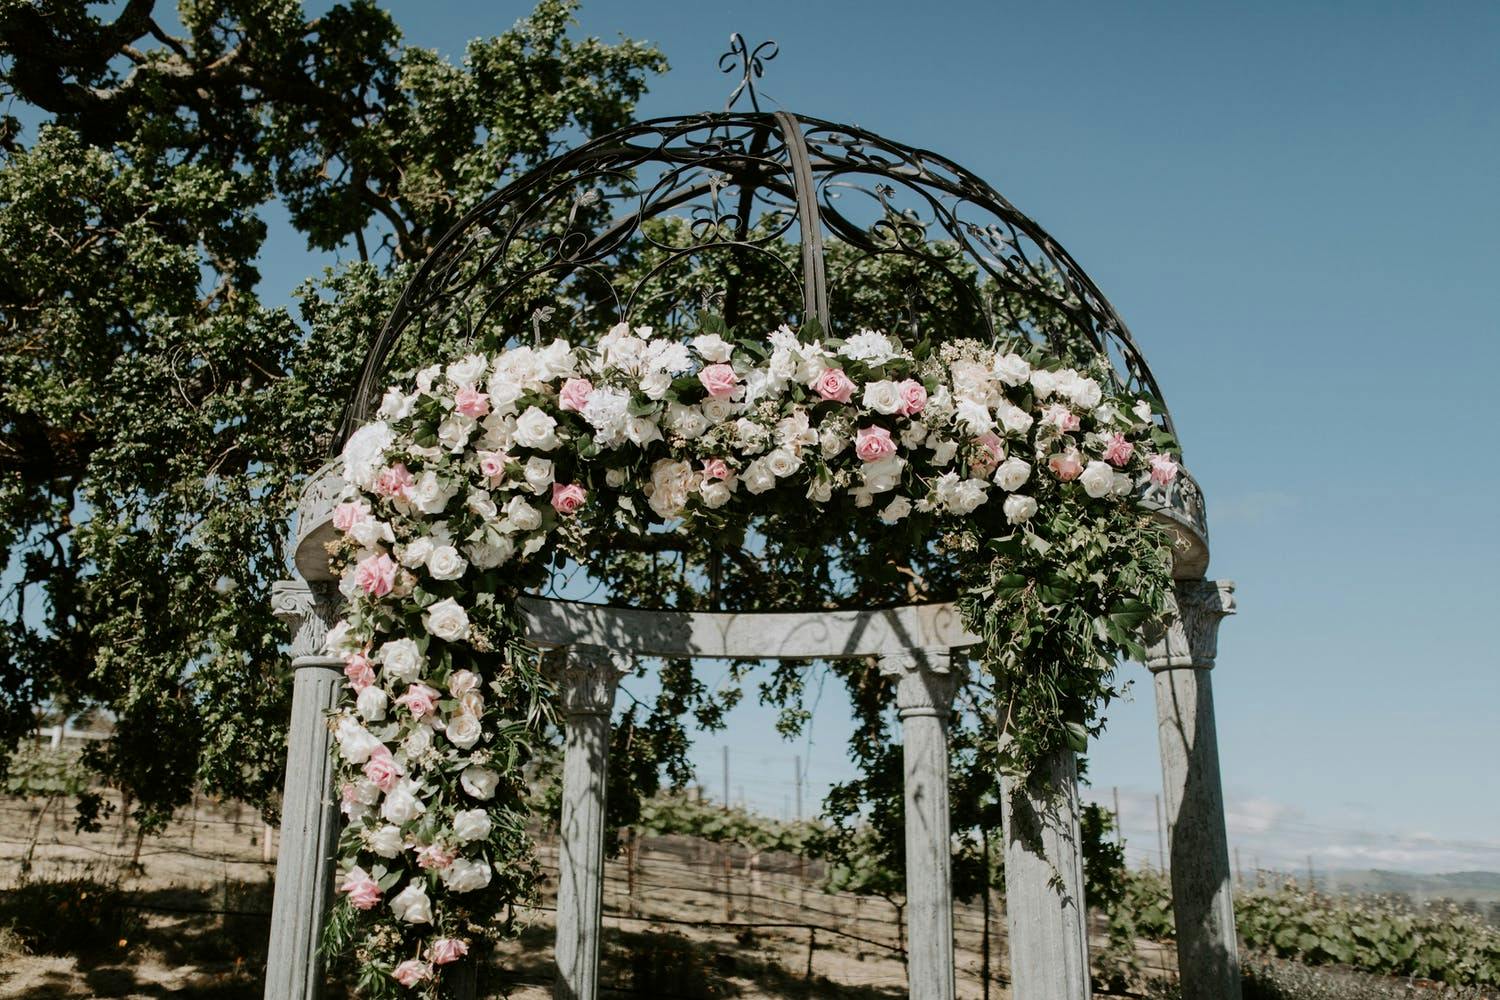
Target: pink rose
x,y
434,857
568,499
715,468
375,575
872,444
471,402
381,768
1066,466
411,972
991,451
1118,452
575,394
913,397
420,700
347,515
1163,469
492,465
834,385
720,380
445,950
364,892
359,672
1060,417
395,481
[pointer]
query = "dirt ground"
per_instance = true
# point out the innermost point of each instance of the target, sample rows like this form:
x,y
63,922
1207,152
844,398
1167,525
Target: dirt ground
x,y
683,920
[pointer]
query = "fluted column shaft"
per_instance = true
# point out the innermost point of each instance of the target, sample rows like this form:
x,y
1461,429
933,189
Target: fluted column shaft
x,y
1202,888
589,676
924,699
309,809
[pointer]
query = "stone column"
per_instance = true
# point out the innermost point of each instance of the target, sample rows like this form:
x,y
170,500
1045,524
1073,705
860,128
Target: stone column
x,y
1044,905
924,698
309,809
1202,892
589,675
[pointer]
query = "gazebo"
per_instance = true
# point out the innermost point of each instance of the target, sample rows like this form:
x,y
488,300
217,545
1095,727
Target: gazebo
x,y
779,189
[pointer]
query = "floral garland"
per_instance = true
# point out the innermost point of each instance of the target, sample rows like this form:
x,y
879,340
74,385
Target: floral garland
x,y
476,474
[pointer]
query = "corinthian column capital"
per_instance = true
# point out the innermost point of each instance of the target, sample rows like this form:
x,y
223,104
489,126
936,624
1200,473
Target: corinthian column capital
x,y
310,609
925,681
1191,639
587,675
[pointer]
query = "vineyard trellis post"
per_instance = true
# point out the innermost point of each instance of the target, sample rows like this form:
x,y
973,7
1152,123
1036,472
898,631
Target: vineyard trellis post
x,y
1182,660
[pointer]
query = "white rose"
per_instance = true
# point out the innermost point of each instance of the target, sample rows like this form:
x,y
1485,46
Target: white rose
x,y
1015,419
1012,369
685,421
371,704
395,406
942,451
387,841
669,487
615,477
881,476
1086,393
712,348
1098,479
417,742
716,493
445,563
522,516
479,782
468,371
716,410
496,549
356,743
758,476
464,730
782,463
606,412
538,472
974,417
415,552
425,377
503,390
466,876
461,682
555,361
429,495
364,453
447,620
471,824
868,346
482,504
1044,383
401,803
656,384
913,435
400,660
969,494
1123,484
370,533
642,430
783,364
895,510
536,429
453,433
750,437
831,441
411,905
1019,508
820,490
339,640
1012,474
1142,410
882,397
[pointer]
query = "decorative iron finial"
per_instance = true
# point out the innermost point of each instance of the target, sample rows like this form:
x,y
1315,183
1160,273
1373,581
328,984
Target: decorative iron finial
x,y
751,64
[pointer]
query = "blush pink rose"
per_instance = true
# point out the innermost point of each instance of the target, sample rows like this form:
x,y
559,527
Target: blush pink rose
x,y
715,468
445,950
575,394
381,768
492,465
1118,452
872,444
420,700
471,402
364,892
359,672
395,481
991,450
1163,469
434,857
834,385
1061,417
720,380
1067,465
568,499
347,515
375,575
411,972
913,397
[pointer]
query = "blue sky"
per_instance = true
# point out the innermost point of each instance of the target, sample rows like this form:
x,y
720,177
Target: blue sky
x,y
1295,208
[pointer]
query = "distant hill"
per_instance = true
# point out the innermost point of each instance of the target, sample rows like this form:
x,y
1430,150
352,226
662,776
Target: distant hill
x,y
1459,886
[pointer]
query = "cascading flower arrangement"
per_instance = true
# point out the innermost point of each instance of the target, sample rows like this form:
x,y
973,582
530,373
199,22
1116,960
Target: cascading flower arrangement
x,y
476,475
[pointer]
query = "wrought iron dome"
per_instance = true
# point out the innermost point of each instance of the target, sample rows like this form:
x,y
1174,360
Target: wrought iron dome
x,y
759,216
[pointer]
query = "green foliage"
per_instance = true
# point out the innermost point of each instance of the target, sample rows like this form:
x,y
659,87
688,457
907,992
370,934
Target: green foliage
x,y
691,817
156,418
37,770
